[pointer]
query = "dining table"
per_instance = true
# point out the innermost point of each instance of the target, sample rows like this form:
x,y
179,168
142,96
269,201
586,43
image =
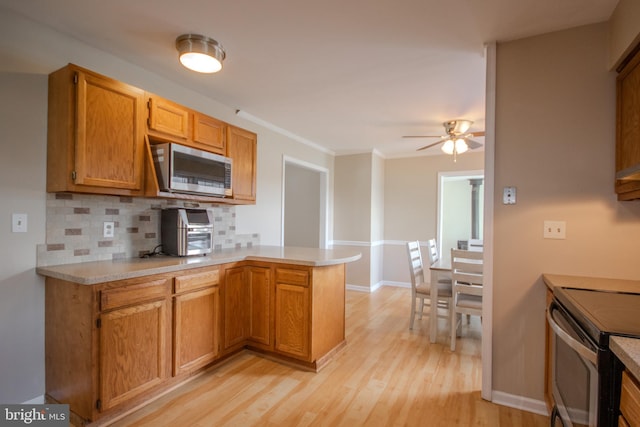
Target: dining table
x,y
441,267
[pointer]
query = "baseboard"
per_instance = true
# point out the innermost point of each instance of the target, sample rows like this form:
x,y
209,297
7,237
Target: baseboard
x,y
38,400
397,284
519,402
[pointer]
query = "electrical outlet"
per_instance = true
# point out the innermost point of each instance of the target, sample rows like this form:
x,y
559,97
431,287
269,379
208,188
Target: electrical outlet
x,y
509,196
19,223
108,229
555,230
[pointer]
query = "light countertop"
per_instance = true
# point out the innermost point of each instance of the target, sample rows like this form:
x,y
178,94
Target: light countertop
x,y
598,283
628,351
91,273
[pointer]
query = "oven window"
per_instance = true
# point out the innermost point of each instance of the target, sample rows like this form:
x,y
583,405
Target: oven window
x,y
198,241
576,380
573,379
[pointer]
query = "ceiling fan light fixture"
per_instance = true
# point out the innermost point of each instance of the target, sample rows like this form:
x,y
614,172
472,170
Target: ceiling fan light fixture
x,y
200,53
461,146
457,126
448,146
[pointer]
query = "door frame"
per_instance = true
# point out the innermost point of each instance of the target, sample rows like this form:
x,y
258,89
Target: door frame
x,y
324,191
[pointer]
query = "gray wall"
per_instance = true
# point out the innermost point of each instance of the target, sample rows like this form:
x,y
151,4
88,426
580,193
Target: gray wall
x,y
23,128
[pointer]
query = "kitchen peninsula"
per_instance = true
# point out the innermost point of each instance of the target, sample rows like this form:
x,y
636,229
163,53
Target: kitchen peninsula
x,y
120,333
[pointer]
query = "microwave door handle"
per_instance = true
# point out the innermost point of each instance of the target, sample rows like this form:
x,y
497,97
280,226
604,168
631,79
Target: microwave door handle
x,y
583,351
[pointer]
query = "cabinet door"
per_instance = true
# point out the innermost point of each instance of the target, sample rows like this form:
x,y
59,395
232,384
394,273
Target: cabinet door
x,y
242,148
133,351
235,307
210,133
109,133
259,279
168,117
292,313
628,128
195,329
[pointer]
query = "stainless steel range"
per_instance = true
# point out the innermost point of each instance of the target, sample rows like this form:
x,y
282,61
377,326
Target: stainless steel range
x,y
586,374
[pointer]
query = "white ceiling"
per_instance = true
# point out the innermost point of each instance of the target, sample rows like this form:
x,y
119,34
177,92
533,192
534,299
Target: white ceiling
x,y
348,75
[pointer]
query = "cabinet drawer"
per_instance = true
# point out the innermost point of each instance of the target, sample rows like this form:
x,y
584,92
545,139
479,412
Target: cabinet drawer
x,y
291,276
197,280
630,399
132,294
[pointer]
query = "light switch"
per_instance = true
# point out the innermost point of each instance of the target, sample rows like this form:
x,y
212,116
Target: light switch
x,y
509,196
555,230
19,222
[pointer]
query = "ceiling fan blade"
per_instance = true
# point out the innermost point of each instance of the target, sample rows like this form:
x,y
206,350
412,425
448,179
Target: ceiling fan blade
x,y
422,136
473,144
477,133
431,145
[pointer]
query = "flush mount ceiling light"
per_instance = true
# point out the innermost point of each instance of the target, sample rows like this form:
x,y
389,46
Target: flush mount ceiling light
x,y
200,53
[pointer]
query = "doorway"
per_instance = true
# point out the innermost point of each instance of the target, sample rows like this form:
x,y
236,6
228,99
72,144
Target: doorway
x,y
460,209
304,204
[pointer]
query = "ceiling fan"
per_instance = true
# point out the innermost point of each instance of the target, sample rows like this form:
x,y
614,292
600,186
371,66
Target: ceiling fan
x,y
456,141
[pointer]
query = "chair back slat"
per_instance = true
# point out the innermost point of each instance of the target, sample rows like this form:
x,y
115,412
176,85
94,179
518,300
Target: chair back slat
x,y
467,271
415,263
434,256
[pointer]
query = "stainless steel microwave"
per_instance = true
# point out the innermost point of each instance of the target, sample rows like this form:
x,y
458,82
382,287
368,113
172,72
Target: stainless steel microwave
x,y
182,169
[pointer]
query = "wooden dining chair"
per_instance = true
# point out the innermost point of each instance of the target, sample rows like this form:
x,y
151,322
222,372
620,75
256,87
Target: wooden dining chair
x,y
468,279
420,290
434,256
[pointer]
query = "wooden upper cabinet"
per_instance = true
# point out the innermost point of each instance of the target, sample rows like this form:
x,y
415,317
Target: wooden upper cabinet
x,y
242,148
628,130
95,134
166,117
210,133
168,120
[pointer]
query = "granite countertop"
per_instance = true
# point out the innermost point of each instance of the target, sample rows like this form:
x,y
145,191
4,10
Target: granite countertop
x,y
91,273
628,351
598,283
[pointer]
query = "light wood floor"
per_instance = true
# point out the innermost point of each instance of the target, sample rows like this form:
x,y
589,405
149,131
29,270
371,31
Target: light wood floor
x,y
386,376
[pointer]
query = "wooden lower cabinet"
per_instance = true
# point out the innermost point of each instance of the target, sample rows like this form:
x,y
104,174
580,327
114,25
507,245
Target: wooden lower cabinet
x,y
196,314
113,346
292,323
629,401
235,299
133,356
107,346
260,306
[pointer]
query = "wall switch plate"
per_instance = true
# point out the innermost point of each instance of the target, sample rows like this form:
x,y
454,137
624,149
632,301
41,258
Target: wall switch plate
x,y
19,223
509,196
555,230
108,229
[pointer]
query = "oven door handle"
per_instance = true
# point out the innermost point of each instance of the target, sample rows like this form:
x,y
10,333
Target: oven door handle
x,y
581,349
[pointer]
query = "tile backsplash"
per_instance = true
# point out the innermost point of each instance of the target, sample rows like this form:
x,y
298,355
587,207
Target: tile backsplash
x,y
75,227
